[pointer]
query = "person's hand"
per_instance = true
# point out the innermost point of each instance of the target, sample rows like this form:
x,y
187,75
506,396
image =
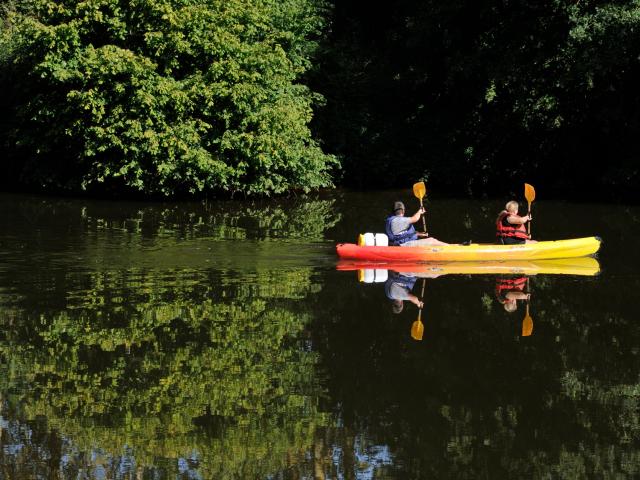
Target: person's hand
x,y
422,234
529,217
416,301
422,211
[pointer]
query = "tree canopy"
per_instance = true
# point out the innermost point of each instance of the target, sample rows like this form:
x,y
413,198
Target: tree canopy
x,y
184,97
161,96
477,96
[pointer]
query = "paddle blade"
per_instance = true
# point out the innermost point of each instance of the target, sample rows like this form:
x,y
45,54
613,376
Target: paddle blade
x,y
527,326
529,193
419,190
417,329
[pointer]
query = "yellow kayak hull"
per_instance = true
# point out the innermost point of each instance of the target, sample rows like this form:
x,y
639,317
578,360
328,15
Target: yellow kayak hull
x,y
577,247
585,266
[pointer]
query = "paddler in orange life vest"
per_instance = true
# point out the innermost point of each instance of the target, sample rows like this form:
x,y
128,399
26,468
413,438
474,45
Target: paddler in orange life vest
x,y
510,229
401,232
510,290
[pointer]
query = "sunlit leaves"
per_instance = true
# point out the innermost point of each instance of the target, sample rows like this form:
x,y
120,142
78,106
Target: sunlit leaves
x,y
164,97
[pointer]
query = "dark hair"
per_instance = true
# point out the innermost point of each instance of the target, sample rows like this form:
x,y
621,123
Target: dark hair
x,y
397,306
398,205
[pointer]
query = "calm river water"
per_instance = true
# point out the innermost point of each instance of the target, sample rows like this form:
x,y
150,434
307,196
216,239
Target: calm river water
x,y
219,340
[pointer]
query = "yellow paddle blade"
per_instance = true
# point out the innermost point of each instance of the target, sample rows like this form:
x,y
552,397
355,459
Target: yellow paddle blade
x,y
529,193
419,190
527,326
417,329
361,240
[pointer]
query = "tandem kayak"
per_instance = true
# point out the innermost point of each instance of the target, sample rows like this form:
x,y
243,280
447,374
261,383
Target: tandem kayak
x,y
586,266
577,247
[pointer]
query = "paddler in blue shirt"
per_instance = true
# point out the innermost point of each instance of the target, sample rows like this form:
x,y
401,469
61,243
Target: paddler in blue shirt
x,y
401,231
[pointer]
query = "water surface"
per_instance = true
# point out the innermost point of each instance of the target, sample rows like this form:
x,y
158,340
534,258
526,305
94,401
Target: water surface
x,y
218,340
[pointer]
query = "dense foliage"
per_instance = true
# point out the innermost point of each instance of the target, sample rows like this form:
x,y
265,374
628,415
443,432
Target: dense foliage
x,y
160,96
478,96
198,97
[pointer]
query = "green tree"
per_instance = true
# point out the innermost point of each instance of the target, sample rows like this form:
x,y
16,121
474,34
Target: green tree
x,y
161,96
478,96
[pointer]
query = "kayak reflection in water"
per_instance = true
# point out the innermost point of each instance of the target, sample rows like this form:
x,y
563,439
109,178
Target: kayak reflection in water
x,y
511,289
401,231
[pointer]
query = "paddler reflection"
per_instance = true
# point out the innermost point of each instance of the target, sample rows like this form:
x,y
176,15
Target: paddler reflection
x,y
511,289
398,288
511,286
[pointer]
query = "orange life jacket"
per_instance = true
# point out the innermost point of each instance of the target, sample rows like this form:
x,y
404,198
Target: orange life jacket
x,y
504,229
506,285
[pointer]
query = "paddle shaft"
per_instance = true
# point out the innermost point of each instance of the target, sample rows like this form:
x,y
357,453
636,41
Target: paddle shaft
x,y
424,283
527,321
529,222
424,222
417,327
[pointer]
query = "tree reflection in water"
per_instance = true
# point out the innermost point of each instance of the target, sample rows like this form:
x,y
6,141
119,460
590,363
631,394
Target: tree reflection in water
x,y
143,343
123,355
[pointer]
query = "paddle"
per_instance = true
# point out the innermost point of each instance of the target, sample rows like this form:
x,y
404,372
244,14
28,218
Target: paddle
x,y
530,195
417,328
527,322
420,190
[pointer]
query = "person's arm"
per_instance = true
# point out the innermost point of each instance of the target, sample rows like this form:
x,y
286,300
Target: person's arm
x,y
518,220
517,295
416,216
415,300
